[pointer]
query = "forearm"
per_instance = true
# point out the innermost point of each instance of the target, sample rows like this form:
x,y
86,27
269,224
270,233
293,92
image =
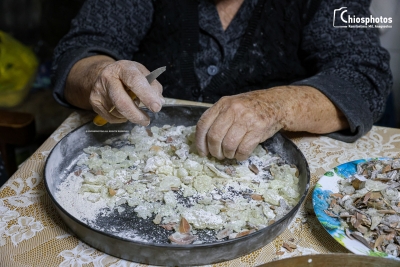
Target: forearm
x,y
307,109
235,125
110,33
351,68
81,79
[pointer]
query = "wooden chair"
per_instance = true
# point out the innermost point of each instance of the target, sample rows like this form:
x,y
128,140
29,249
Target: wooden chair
x,y
16,129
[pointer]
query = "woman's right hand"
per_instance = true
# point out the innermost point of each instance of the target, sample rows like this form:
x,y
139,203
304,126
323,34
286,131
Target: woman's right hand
x,y
101,83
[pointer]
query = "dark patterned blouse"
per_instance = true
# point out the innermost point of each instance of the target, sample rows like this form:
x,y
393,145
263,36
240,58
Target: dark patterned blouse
x,y
292,44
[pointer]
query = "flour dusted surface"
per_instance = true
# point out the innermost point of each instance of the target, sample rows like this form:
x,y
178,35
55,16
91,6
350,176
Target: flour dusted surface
x,y
157,175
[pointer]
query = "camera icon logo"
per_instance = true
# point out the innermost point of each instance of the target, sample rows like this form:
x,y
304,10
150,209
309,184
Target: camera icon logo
x,y
339,20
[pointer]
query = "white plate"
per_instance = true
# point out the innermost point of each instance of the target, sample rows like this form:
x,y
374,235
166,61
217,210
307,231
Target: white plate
x,y
328,185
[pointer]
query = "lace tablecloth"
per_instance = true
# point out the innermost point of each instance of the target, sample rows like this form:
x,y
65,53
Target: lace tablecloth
x,y
32,233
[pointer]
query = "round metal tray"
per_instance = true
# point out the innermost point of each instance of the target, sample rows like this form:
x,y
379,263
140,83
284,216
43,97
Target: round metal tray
x,y
62,161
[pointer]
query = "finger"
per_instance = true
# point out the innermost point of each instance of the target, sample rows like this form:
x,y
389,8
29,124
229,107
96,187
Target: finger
x,y
124,105
116,114
232,139
99,109
135,81
109,92
247,146
110,108
101,106
202,127
217,132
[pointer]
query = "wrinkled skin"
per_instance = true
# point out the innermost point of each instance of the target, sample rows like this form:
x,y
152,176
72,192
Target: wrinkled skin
x,y
231,128
107,82
110,90
235,125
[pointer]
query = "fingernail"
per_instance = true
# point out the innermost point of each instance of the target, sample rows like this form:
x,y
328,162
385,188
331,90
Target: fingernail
x,y
201,153
155,107
144,122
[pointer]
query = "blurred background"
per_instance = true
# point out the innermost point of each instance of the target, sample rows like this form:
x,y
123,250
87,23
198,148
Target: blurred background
x,y
30,29
38,25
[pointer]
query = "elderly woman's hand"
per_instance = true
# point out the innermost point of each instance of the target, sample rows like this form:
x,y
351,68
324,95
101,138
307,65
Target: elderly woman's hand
x,y
235,125
106,82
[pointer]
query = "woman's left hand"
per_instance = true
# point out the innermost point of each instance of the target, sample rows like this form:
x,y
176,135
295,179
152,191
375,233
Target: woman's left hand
x,y
235,125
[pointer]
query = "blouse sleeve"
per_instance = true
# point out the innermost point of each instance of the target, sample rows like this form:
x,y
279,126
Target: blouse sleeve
x,y
107,27
349,66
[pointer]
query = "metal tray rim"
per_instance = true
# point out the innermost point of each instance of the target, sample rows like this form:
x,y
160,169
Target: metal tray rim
x,y
173,246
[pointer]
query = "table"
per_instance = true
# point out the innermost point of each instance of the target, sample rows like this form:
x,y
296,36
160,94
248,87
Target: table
x,y
32,233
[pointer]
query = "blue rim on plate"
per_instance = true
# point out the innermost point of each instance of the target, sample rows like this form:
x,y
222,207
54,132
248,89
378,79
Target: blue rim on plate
x,y
328,185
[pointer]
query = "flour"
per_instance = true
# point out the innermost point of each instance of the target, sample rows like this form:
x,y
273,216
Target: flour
x,y
150,178
69,197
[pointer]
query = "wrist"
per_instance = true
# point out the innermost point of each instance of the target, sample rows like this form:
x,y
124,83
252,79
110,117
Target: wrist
x,y
289,106
281,103
305,108
295,103
81,79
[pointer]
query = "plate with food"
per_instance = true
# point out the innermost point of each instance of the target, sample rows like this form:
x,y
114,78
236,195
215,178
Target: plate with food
x,y
145,195
358,204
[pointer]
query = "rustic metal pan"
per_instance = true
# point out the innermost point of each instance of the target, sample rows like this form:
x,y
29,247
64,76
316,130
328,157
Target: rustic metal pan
x,y
62,161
